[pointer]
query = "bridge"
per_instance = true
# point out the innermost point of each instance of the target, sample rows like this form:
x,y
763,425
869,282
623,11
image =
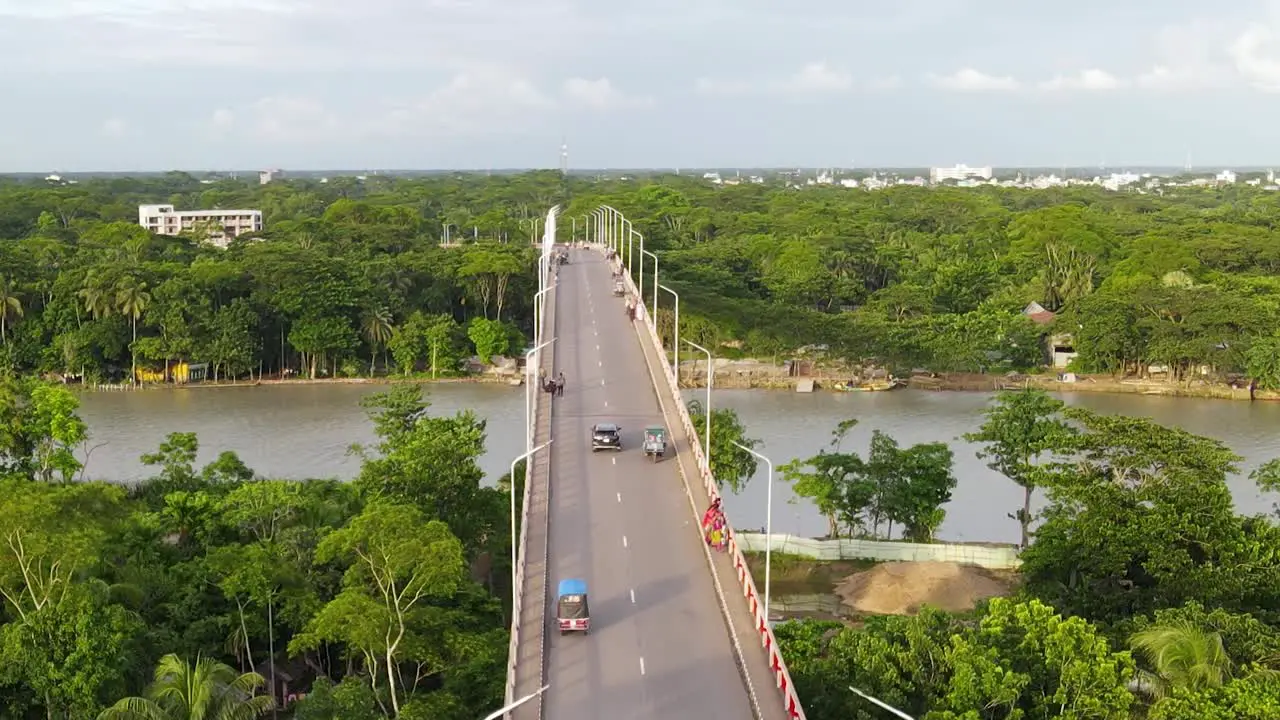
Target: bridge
x,y
677,628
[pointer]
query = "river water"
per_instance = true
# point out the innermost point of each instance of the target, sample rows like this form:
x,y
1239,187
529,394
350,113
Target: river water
x,y
303,431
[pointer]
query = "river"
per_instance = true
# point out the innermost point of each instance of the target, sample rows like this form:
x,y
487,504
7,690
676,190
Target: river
x,y
303,431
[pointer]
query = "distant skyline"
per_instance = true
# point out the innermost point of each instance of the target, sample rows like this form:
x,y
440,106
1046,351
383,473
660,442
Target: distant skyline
x,y
133,85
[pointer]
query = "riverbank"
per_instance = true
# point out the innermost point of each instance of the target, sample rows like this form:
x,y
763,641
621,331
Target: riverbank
x,y
754,375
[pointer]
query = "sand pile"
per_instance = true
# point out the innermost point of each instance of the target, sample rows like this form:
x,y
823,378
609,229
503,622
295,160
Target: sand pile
x,y
900,588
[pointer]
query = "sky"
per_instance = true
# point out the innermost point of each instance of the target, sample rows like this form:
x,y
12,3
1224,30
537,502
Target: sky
x,y
136,85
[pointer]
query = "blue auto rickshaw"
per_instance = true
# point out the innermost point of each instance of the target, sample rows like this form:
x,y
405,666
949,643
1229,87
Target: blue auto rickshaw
x,y
572,613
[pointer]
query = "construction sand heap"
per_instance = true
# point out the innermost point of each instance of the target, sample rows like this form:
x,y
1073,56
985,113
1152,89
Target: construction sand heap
x,y
901,588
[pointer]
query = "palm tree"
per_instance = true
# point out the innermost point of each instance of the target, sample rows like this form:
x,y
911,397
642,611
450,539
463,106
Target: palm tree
x,y
1181,655
10,307
97,301
207,690
132,298
377,328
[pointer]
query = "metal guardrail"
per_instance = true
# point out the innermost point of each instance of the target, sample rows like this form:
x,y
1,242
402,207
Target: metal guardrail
x,y
530,477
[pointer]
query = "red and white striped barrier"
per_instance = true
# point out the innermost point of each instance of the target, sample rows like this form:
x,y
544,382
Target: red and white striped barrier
x,y
768,642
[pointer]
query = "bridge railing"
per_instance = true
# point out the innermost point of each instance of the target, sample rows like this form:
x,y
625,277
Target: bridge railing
x,y
530,465
791,701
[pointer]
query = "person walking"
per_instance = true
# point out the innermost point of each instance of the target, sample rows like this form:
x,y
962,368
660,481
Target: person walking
x,y
560,384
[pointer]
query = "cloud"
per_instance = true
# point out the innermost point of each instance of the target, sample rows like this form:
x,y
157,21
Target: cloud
x,y
817,77
600,95
292,119
114,128
890,82
723,88
1254,55
970,80
1087,80
483,100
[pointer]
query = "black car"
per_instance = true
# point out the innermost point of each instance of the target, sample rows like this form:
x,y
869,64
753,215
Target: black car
x,y
606,436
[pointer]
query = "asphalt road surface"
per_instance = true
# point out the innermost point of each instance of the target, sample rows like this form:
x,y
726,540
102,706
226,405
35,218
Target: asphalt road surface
x,y
658,646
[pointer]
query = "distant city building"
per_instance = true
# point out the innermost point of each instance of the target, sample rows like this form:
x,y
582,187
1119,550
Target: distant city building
x,y
959,172
267,176
222,225
1226,176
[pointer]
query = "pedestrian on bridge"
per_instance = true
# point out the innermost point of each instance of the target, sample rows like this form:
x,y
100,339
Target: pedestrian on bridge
x,y
560,384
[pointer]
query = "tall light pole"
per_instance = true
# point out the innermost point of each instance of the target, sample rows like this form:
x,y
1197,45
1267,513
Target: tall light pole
x,y
513,513
644,252
539,312
768,527
641,285
631,241
706,437
882,704
530,376
675,342
499,713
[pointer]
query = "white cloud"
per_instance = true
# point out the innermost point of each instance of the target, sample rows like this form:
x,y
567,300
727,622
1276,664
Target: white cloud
x,y
1255,56
1091,79
114,128
222,119
484,99
600,94
970,80
891,82
293,119
813,79
727,88
817,77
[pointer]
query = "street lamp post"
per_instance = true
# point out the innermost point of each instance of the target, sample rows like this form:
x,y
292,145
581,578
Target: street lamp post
x,y
499,713
675,343
530,376
539,312
644,252
706,439
631,241
768,527
882,704
513,512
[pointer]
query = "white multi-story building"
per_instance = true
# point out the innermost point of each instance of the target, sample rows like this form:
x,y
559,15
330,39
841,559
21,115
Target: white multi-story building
x,y
959,172
222,225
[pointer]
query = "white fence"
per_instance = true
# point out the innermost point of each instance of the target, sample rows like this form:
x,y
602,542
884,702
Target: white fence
x,y
764,631
995,558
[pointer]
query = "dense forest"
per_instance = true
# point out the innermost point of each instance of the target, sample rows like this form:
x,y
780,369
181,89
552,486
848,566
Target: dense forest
x,y
349,280
938,277
207,591
351,270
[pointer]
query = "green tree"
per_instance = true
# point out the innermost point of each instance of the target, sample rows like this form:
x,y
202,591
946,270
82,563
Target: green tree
x,y
730,464
132,300
399,561
1021,426
377,327
205,690
10,307
489,337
